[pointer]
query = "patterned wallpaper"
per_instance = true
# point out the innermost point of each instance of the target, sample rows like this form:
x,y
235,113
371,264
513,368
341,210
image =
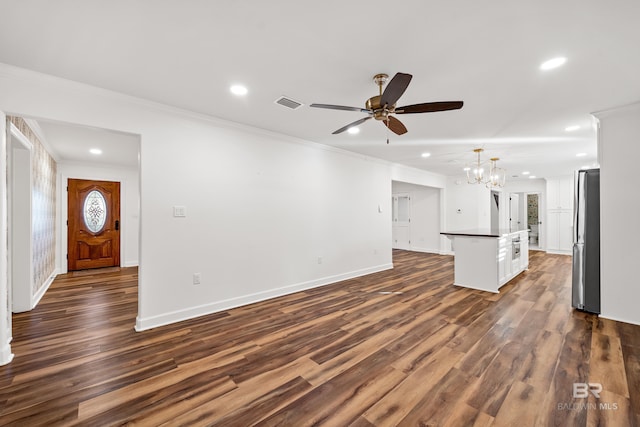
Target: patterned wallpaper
x,y
532,209
43,207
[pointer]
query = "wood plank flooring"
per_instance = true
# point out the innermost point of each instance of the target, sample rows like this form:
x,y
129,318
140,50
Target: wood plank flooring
x,y
347,354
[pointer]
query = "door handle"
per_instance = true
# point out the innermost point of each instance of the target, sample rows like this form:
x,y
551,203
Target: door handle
x,y
117,224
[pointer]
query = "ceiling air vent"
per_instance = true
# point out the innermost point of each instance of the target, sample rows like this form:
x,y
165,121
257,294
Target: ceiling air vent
x,y
288,102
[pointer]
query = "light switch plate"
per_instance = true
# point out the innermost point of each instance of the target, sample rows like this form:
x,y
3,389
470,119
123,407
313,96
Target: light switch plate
x,y
179,211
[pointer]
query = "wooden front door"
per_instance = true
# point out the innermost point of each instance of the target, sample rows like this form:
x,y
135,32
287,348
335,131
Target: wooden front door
x,y
94,224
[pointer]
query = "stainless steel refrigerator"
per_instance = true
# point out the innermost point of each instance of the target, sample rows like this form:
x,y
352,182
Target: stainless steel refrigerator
x,y
586,241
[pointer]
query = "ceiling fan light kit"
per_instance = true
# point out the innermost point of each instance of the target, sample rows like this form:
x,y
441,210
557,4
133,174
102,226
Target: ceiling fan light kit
x,y
382,107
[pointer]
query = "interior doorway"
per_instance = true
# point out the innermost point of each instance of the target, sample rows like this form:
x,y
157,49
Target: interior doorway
x,y
48,155
20,234
495,210
515,217
533,219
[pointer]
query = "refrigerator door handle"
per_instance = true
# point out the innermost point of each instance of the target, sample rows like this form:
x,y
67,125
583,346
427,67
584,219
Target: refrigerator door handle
x,y
579,208
577,276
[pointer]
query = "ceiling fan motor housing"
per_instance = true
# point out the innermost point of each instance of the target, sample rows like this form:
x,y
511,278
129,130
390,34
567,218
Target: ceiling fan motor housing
x,y
379,113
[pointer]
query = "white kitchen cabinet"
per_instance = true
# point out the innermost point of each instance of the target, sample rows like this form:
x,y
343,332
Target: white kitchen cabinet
x,y
559,237
505,256
560,193
559,231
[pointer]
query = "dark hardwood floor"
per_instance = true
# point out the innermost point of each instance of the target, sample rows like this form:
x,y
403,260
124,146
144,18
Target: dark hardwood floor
x,y
401,347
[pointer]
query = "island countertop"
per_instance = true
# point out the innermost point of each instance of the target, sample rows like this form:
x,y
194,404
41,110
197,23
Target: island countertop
x,y
485,232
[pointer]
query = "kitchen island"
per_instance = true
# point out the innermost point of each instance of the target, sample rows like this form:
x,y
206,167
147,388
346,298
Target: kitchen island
x,y
486,259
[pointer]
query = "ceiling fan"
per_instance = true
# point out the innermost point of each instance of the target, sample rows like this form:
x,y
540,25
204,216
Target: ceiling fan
x,y
383,107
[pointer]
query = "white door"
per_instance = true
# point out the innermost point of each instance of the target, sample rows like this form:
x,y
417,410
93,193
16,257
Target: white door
x,y
514,211
401,221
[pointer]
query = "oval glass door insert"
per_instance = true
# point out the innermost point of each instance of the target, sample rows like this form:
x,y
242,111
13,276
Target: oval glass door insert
x,y
95,211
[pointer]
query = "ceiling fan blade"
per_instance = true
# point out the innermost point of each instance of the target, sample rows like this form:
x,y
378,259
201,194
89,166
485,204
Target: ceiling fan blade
x,y
395,125
340,107
429,107
356,123
395,88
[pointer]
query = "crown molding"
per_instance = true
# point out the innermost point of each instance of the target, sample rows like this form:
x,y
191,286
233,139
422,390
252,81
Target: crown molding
x,y
38,78
614,110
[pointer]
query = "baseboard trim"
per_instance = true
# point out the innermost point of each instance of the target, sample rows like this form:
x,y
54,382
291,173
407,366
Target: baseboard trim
x,y
43,289
5,355
477,288
425,250
558,252
129,264
618,319
143,324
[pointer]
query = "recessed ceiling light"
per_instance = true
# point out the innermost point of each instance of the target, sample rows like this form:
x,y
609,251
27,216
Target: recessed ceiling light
x,y
466,169
532,177
426,154
526,173
238,90
581,154
95,151
553,63
353,130
572,128
585,167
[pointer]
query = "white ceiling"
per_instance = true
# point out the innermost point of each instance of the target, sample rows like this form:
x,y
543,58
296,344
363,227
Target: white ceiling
x,y
72,143
487,54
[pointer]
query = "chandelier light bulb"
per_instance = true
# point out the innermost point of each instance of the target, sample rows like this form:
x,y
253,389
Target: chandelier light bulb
x,y
476,175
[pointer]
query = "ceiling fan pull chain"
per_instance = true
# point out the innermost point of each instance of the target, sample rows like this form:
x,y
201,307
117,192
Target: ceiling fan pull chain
x,y
387,121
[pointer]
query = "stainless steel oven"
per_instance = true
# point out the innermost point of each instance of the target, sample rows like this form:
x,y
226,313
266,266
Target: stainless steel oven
x,y
515,248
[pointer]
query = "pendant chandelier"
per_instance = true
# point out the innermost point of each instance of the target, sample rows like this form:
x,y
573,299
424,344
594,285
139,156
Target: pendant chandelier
x,y
476,173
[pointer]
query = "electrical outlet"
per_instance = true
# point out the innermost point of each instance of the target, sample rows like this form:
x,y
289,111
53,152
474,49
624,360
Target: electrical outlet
x,y
197,277
319,260
179,211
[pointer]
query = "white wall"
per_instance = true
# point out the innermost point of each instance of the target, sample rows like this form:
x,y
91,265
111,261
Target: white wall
x,y
402,173
129,207
262,209
526,186
424,229
619,151
468,206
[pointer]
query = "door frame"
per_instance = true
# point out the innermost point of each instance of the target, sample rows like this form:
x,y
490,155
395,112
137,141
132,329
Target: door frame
x,y
542,225
19,233
64,215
